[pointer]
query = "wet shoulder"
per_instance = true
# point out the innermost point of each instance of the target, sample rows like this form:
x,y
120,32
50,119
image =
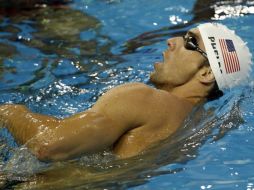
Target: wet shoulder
x,y
125,96
133,87
129,90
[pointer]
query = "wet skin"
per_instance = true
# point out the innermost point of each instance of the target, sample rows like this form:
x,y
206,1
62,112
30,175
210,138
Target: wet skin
x,y
128,119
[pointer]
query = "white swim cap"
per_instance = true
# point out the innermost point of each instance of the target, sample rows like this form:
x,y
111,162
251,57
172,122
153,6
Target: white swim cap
x,y
228,55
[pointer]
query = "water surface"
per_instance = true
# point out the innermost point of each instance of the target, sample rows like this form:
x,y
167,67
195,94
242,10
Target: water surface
x,y
57,59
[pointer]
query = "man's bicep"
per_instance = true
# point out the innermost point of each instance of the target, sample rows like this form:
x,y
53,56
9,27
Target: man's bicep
x,y
82,133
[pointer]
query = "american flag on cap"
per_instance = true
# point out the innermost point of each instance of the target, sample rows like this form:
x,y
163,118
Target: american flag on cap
x,y
230,57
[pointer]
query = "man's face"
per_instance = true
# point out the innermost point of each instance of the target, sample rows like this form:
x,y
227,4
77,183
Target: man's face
x,y
179,64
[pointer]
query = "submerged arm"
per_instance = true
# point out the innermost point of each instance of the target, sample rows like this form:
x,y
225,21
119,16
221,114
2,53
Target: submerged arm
x,y
85,132
22,123
50,138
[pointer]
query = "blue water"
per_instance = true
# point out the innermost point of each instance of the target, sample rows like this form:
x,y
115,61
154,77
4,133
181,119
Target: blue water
x,y
57,61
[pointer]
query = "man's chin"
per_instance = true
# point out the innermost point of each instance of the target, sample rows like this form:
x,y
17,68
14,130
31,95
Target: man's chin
x,y
152,76
154,79
155,83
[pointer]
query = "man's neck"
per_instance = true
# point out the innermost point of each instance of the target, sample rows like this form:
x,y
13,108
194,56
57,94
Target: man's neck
x,y
191,92
192,95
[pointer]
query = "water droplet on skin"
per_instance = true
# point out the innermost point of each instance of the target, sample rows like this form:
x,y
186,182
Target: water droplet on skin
x,y
82,116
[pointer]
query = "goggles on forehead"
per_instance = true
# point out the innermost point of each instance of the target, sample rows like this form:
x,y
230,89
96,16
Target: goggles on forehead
x,y
190,43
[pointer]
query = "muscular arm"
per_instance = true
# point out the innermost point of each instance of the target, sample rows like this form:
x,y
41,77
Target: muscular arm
x,y
50,138
22,123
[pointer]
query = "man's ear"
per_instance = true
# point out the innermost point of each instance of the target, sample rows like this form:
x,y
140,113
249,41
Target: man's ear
x,y
206,75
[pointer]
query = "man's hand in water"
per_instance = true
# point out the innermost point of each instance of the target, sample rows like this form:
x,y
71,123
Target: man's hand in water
x,y
3,113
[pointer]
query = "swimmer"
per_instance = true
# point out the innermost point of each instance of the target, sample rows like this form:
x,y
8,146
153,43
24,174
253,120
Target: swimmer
x,y
132,117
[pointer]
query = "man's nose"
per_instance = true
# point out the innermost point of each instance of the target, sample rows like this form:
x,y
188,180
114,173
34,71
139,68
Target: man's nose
x,y
171,44
175,42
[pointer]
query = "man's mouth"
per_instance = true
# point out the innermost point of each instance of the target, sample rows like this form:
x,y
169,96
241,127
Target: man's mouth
x,y
156,64
166,55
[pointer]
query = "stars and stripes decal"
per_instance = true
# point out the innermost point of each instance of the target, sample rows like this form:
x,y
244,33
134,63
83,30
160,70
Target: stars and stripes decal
x,y
230,57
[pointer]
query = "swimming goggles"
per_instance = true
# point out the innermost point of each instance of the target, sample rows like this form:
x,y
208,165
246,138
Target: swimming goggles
x,y
190,43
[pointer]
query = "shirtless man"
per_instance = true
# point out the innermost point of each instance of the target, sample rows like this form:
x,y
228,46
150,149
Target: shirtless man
x,y
132,117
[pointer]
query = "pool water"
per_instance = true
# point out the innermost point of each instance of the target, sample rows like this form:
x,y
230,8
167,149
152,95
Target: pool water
x,y
57,59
